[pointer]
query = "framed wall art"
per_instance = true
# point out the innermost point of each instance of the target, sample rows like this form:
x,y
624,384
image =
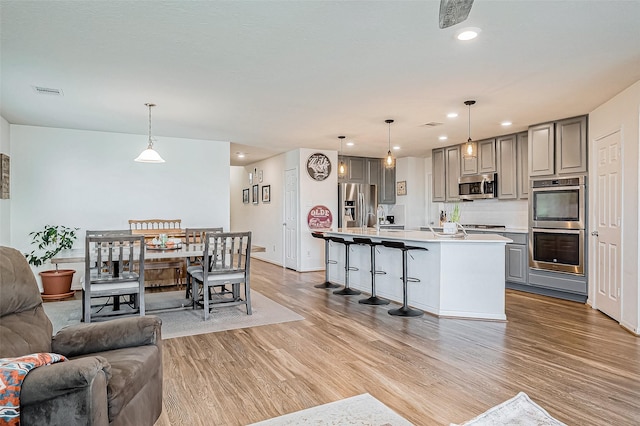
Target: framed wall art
x,y
254,195
318,166
401,188
266,194
4,176
245,196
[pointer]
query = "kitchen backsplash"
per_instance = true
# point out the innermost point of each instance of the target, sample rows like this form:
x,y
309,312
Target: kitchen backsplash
x,y
512,214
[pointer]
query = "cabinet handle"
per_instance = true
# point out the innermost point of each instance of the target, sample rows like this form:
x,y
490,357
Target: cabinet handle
x,y
594,233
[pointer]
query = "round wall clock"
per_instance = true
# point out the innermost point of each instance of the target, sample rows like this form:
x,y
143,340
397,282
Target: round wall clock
x,y
318,166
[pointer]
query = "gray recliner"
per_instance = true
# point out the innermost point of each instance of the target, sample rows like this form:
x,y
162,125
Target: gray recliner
x,y
114,372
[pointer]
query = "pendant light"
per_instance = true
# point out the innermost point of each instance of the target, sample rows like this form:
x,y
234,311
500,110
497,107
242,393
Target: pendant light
x,y
342,167
469,150
149,155
390,161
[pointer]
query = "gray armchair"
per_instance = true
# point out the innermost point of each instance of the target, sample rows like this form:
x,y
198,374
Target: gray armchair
x,y
114,372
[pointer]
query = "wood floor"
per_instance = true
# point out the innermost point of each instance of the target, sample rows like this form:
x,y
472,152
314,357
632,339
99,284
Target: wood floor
x,y
572,360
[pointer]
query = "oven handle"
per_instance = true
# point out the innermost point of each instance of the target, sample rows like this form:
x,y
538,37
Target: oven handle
x,y
557,231
558,188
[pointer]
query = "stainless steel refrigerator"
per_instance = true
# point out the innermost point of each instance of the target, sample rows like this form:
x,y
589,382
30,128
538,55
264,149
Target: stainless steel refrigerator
x,y
358,205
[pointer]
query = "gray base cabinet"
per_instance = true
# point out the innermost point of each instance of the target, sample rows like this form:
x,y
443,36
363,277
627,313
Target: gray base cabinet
x,y
517,258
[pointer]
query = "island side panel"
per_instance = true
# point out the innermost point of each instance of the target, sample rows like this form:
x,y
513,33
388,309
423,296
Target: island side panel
x,y
473,280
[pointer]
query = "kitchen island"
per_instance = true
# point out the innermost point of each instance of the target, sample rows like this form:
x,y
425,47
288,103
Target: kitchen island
x,y
459,277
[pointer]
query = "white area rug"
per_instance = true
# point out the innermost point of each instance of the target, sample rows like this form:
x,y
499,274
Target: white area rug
x,y
186,322
361,410
517,411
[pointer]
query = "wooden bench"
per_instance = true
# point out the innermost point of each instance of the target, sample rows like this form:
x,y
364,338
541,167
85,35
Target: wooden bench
x,y
152,228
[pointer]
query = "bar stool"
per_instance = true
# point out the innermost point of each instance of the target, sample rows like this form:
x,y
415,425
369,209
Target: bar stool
x,y
405,310
346,291
327,261
373,300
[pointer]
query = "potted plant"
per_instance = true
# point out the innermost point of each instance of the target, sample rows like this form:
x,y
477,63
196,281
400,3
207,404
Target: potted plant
x,y
49,242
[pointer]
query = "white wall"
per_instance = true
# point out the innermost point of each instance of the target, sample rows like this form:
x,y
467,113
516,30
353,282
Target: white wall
x,y
623,113
411,170
266,220
313,193
5,205
89,180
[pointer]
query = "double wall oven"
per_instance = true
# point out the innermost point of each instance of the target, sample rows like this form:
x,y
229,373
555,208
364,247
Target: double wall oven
x,y
557,224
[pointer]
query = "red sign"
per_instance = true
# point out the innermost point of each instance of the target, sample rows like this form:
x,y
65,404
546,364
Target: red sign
x,y
319,217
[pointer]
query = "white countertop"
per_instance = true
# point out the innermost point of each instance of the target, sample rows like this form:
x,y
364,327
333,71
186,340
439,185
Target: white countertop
x,y
419,236
489,230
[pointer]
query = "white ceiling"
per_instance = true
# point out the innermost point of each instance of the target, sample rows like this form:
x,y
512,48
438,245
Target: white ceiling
x,y
271,76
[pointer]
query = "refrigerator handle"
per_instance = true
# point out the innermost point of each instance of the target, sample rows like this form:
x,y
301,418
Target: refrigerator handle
x,y
361,208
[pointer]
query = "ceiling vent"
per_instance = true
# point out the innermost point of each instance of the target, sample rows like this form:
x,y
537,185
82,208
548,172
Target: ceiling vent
x,y
47,91
432,124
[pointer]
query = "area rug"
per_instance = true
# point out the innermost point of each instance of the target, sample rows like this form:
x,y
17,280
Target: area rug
x,y
360,410
518,411
186,322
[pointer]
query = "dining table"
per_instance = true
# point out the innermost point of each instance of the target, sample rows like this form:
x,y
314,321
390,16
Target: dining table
x,y
151,253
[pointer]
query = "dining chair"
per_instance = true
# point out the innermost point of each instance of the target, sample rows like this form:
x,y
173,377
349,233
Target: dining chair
x,y
114,267
153,228
194,236
226,259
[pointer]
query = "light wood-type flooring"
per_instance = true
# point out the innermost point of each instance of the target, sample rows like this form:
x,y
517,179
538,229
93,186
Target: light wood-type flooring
x,y
574,361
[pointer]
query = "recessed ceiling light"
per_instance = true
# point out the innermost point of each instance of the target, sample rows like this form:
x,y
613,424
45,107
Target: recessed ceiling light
x,y
350,143
506,123
443,138
396,148
466,34
452,115
240,154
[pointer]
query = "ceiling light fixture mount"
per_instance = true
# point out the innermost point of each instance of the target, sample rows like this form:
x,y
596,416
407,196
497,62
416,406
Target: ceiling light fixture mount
x,y
469,147
149,155
342,167
390,161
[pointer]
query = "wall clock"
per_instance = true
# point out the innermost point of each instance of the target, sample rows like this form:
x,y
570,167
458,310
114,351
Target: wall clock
x,y
401,188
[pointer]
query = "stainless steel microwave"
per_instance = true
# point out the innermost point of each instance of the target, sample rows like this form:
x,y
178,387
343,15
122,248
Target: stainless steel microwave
x,y
478,187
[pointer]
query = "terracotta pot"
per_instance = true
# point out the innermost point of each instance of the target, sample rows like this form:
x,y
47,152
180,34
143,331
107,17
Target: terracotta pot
x,y
57,282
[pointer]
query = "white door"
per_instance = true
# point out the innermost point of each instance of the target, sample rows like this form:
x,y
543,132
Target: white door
x,y
291,219
606,234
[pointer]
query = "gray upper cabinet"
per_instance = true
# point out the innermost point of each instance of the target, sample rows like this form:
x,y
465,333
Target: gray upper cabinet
x,y
468,166
356,170
571,145
541,149
485,162
452,172
373,171
438,175
507,167
387,188
558,148
523,164
487,156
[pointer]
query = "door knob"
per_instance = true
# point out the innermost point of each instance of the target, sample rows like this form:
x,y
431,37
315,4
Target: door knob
x,y
594,233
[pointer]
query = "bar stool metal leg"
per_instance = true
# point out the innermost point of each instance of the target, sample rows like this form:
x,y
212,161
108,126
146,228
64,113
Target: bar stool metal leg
x,y
347,291
374,299
405,310
327,262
